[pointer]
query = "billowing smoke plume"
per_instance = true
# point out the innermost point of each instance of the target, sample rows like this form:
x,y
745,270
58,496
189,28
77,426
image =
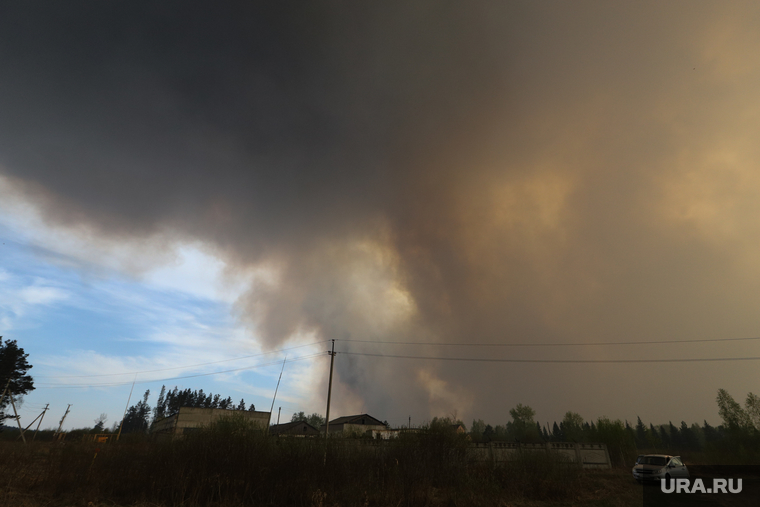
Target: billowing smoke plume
x,y
420,172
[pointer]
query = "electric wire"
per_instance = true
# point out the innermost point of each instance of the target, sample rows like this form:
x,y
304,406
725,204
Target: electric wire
x,y
555,344
559,361
113,384
181,367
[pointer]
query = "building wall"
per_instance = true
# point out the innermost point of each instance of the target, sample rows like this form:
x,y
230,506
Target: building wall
x,y
190,418
357,429
165,425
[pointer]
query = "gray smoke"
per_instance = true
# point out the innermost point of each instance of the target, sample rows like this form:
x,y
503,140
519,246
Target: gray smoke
x,y
424,171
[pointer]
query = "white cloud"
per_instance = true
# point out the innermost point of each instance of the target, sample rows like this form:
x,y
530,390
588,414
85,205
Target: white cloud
x,y
41,295
198,273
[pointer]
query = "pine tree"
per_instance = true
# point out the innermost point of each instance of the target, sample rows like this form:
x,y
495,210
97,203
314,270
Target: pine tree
x,y
13,373
557,433
711,434
664,437
676,441
641,434
160,411
137,419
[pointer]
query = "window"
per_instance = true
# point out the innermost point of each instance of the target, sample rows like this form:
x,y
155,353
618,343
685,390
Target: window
x,y
654,460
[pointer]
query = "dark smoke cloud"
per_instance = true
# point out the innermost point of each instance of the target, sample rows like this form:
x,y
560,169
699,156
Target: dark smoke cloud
x,y
418,171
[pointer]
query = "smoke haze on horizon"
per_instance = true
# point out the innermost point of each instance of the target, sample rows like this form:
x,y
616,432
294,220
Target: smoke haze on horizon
x,y
423,172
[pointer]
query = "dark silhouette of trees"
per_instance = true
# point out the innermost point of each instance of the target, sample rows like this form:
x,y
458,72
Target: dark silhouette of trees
x,y
641,434
314,419
557,434
100,423
137,419
13,373
169,402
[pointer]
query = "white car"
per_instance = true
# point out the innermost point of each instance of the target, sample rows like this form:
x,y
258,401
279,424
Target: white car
x,y
654,467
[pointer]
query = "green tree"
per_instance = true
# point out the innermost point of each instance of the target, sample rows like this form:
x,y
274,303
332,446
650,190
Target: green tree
x,y
665,437
523,427
689,439
477,429
557,434
13,373
160,411
137,419
100,423
572,426
620,442
522,414
653,437
314,419
675,436
711,434
641,434
734,416
753,409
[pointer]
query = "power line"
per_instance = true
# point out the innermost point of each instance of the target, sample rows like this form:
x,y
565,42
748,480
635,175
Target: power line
x,y
113,384
560,361
556,344
180,367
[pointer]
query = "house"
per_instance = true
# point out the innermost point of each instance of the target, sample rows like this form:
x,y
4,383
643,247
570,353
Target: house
x,y
458,428
355,425
295,428
189,419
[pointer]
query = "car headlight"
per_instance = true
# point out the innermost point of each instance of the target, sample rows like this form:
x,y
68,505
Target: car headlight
x,y
661,471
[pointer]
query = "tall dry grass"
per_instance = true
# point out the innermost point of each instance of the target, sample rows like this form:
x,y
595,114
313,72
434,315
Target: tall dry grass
x,y
236,464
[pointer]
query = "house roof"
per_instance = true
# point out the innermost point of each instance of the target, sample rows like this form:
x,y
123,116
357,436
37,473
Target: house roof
x,y
276,428
358,419
290,424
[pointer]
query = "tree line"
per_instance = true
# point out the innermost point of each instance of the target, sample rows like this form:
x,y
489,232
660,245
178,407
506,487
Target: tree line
x,y
140,415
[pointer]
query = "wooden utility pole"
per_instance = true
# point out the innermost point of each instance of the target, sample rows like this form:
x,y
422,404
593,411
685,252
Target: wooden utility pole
x,y
127,408
278,415
60,425
39,423
18,419
275,395
33,421
329,390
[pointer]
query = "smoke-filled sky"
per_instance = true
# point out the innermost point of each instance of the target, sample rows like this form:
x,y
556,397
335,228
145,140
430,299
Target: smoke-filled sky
x,y
435,172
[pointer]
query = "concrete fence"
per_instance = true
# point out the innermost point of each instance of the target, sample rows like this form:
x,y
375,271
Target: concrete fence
x,y
587,455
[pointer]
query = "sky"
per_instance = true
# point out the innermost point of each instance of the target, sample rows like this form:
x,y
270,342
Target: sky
x,y
186,183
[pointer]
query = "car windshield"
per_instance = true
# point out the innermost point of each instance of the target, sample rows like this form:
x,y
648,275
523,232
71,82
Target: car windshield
x,y
653,460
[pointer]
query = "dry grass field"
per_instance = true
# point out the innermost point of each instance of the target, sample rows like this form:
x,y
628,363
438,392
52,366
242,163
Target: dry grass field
x,y
232,465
